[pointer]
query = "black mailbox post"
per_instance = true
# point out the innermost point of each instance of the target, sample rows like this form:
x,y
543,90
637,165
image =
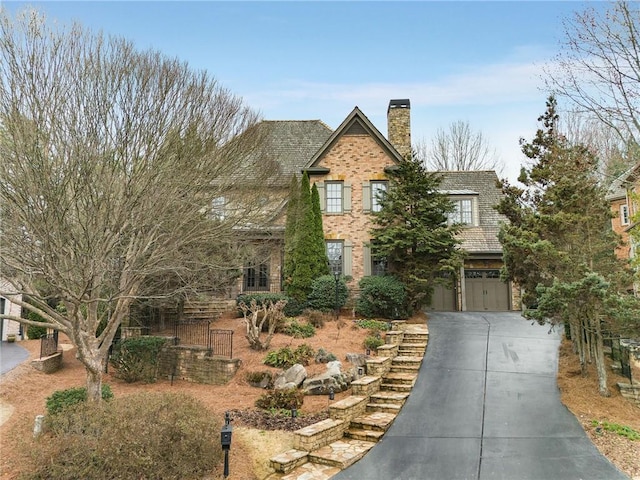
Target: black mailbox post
x,y
225,441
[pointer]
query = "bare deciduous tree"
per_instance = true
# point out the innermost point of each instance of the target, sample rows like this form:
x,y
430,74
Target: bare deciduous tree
x,y
599,67
111,158
458,148
256,316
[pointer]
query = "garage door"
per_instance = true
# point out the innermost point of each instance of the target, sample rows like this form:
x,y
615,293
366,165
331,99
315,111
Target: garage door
x,y
485,291
443,299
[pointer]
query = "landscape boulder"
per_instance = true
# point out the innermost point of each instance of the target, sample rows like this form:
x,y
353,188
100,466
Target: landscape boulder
x,y
290,378
333,378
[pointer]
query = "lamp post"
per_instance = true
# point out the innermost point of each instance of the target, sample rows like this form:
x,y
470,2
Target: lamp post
x,y
336,274
225,440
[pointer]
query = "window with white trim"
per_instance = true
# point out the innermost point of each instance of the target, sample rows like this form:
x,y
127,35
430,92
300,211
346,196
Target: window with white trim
x,y
624,214
463,212
334,197
378,190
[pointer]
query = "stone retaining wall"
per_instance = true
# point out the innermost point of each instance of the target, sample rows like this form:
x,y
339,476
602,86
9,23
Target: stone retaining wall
x,y
631,392
49,364
195,364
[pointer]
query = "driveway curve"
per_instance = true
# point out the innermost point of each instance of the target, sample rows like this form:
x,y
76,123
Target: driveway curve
x,y
485,406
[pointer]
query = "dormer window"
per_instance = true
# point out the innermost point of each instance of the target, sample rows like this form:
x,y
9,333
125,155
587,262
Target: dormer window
x,y
463,211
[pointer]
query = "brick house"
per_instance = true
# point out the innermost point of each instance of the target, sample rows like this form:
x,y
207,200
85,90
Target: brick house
x,y
349,168
625,208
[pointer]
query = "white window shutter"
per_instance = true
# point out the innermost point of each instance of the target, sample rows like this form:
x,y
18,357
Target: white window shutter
x,y
321,194
366,197
366,256
346,193
348,257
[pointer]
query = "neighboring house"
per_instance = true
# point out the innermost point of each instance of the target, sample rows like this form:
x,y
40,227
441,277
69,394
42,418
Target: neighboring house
x,y
349,168
623,197
8,308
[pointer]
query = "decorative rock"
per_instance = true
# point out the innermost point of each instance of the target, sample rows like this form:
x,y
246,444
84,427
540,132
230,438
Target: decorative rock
x,y
333,378
357,359
290,378
333,368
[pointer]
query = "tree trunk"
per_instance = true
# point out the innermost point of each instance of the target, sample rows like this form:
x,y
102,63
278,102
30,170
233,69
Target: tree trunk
x,y
601,367
94,385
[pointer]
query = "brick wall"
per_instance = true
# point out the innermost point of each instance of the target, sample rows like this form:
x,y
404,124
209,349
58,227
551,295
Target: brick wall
x,y
355,159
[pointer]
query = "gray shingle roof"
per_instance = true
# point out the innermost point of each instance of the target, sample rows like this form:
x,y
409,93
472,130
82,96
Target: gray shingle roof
x,y
484,237
292,143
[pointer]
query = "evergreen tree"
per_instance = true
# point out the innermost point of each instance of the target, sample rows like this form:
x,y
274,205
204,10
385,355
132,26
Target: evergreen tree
x,y
300,285
558,245
320,261
290,232
412,233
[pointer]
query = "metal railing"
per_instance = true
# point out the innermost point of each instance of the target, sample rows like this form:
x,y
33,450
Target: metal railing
x,y
199,332
49,344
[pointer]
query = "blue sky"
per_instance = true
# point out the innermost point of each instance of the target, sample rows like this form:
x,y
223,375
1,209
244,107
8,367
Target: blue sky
x,y
478,61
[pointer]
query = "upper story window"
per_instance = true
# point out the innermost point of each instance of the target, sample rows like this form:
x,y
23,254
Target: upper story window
x,y
334,197
624,214
378,191
463,211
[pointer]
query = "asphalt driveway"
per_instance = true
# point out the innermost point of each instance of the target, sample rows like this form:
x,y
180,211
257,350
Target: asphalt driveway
x,y
11,355
485,406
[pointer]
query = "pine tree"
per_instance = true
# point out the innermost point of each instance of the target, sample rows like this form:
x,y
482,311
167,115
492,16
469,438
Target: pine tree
x,y
412,233
559,246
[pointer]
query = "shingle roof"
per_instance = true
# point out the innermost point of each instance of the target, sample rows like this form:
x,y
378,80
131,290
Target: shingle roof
x,y
484,237
292,143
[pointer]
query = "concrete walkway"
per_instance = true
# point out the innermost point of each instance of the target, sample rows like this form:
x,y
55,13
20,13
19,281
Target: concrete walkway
x,y
485,406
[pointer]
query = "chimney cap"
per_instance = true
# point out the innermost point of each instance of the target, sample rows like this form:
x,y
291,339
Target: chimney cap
x,y
400,103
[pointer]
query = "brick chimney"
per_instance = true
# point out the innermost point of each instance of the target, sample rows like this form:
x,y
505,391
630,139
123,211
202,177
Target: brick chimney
x,y
399,126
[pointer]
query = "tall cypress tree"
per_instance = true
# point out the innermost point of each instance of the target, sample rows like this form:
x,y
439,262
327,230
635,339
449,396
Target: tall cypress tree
x,y
412,233
320,261
290,232
300,284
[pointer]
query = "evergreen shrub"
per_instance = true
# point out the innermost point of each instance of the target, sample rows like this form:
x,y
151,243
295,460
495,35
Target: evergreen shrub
x,y
382,297
323,293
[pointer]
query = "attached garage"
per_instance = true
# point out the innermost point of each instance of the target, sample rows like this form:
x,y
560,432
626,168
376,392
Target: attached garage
x,y
484,291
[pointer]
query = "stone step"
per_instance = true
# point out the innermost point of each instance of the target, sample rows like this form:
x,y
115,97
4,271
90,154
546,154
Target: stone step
x,y
289,460
362,434
412,349
407,360
402,378
405,368
377,421
341,453
383,407
319,434
415,337
396,398
395,387
310,471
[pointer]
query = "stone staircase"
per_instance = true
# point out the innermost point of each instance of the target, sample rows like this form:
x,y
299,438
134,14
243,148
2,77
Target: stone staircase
x,y
206,310
357,422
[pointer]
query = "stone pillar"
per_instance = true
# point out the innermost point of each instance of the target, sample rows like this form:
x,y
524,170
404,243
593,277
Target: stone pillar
x,y
399,126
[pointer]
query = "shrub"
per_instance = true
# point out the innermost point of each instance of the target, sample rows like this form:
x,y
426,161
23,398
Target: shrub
x,y
373,325
136,358
303,354
285,357
294,307
257,379
282,358
323,293
299,330
383,297
63,399
33,332
281,399
322,356
373,342
142,436
316,318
